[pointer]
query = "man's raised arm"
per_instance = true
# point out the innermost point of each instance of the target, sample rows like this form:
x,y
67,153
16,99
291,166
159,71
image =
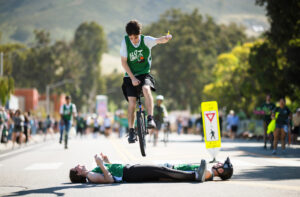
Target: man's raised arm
x,y
163,39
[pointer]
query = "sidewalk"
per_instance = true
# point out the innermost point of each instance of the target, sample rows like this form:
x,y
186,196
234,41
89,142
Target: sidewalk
x,y
35,139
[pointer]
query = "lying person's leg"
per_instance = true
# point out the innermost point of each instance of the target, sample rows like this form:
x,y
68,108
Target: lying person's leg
x,y
152,173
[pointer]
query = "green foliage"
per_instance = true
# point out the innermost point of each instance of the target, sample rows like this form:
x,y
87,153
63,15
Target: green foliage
x,y
90,42
183,66
61,18
6,89
45,63
233,86
113,84
279,54
6,81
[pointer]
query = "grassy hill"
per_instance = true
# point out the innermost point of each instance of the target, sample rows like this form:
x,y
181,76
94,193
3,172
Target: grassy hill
x,y
18,18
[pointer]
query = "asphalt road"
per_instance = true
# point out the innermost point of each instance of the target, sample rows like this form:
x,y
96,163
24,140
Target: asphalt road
x,y
42,170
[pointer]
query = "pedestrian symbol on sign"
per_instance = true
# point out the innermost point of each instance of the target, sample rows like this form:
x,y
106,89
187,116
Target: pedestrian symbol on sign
x,y
211,127
210,117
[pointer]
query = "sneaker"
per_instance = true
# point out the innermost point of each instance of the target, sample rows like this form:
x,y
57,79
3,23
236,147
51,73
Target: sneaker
x,y
274,152
201,171
150,123
132,136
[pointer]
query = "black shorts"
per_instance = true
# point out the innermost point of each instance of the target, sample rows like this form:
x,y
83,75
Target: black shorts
x,y
158,124
296,130
132,91
234,128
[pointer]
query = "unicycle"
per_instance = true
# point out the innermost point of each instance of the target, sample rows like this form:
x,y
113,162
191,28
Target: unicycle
x,y
141,126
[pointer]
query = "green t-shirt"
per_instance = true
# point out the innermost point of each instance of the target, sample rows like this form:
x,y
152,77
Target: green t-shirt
x,y
159,113
138,58
67,112
80,123
115,169
268,108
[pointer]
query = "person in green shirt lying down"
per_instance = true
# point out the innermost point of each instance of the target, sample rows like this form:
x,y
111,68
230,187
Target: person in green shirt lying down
x,y
107,172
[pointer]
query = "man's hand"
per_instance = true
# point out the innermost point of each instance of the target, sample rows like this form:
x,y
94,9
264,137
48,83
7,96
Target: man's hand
x,y
98,160
163,39
135,81
104,158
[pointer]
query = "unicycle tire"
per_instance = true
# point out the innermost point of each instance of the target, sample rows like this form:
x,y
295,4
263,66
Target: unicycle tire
x,y
141,132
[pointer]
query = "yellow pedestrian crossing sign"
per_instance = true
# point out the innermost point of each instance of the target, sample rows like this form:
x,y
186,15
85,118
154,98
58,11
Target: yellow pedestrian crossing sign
x,y
211,125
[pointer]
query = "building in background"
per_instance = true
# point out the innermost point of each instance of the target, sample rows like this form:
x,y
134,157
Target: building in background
x,y
27,98
31,100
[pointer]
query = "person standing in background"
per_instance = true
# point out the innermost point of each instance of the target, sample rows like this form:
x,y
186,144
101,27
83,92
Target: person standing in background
x,y
233,122
26,127
67,112
282,121
267,109
17,135
107,125
80,124
3,126
296,126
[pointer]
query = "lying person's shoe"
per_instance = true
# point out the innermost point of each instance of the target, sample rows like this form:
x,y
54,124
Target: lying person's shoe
x,y
201,171
132,136
150,123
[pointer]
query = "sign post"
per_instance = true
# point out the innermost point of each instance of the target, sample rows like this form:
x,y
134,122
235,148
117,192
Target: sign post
x,y
210,117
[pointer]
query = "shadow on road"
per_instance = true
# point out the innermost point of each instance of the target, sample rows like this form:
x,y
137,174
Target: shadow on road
x,y
55,190
270,173
259,152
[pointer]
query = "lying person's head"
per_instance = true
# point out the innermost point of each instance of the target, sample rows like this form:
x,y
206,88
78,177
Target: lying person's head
x,y
76,174
224,170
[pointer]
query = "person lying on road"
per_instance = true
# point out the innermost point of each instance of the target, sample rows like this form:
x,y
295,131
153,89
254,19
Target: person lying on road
x,y
116,173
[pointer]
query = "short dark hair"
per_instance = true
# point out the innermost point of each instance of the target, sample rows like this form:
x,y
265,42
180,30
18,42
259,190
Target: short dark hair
x,y
283,98
68,97
133,27
75,178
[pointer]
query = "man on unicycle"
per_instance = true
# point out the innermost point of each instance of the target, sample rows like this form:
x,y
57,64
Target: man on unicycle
x,y
136,60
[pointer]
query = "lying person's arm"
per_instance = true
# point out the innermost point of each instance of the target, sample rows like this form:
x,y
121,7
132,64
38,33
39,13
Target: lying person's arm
x,y
99,178
105,158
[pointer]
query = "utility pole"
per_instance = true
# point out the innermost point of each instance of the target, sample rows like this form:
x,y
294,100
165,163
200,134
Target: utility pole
x,y
1,64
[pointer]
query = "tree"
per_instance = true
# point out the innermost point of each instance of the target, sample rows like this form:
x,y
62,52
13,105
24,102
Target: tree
x,y
45,64
6,89
113,85
283,40
233,86
183,66
6,81
90,42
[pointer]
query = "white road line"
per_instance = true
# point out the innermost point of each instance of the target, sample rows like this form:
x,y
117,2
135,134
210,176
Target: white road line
x,y
44,166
